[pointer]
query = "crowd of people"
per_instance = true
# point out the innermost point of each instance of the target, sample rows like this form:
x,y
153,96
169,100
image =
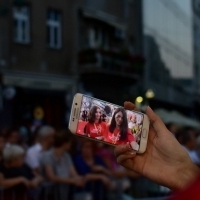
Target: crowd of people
x,y
189,138
55,164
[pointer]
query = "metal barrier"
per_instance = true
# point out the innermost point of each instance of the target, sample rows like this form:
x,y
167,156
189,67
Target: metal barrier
x,y
47,190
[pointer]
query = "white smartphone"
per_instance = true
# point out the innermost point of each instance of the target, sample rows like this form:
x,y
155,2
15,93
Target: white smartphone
x,y
111,124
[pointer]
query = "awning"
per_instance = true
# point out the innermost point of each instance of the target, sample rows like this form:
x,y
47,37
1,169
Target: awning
x,y
107,18
38,81
177,118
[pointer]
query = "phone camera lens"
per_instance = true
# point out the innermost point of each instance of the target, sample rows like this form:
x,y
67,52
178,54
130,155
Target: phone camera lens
x,y
76,104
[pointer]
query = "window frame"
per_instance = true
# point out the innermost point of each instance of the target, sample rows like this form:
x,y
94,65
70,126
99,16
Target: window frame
x,y
22,18
53,47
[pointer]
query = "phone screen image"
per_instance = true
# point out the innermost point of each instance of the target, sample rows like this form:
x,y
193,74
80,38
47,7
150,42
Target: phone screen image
x,y
109,123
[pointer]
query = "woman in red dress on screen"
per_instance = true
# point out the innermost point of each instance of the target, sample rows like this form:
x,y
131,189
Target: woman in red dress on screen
x,y
95,128
118,132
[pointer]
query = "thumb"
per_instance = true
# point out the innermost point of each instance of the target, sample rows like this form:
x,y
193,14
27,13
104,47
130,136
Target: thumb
x,y
156,122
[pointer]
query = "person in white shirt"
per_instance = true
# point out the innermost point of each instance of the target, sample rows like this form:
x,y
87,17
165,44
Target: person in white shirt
x,y
45,142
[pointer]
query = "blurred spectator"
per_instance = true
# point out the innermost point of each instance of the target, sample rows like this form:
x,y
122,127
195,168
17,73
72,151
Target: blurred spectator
x,y
197,151
45,142
119,173
85,115
12,137
57,165
90,165
4,131
2,145
172,128
188,140
16,176
24,136
33,139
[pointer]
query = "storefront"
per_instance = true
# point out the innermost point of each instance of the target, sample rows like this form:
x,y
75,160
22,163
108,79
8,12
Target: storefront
x,y
31,100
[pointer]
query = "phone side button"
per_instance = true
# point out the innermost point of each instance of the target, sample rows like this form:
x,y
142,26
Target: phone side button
x,y
144,133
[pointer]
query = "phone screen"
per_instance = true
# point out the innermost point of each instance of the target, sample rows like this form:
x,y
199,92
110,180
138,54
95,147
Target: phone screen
x,y
107,122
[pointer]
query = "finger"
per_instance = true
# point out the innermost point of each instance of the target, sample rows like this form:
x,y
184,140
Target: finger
x,y
121,159
121,149
156,122
130,106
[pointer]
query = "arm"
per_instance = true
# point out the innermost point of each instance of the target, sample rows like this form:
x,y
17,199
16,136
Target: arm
x,y
11,182
35,182
54,178
93,177
73,172
87,128
101,169
130,137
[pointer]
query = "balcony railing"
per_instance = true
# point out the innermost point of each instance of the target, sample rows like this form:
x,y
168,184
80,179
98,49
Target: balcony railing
x,y
113,61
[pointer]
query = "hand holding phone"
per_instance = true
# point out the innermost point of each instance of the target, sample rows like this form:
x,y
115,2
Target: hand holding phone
x,y
165,161
102,121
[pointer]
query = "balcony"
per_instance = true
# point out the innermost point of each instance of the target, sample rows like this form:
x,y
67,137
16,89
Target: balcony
x,y
110,62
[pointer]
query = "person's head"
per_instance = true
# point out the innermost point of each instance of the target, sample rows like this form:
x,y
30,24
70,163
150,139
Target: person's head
x,y
87,148
119,120
107,109
46,136
94,114
103,118
188,139
63,140
13,156
134,119
172,128
12,136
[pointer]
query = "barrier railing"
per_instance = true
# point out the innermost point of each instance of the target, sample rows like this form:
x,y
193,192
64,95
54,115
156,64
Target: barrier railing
x,y
47,191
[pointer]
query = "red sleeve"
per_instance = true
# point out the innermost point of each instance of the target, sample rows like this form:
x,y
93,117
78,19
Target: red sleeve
x,y
191,192
87,128
105,133
130,137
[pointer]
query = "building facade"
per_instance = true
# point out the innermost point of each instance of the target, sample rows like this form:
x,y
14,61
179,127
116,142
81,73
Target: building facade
x,y
49,49
110,48
196,47
168,48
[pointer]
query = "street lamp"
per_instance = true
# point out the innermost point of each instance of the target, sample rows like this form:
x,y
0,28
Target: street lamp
x,y
138,101
149,94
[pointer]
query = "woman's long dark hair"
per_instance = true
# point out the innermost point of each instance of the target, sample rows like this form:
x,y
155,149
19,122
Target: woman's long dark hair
x,y
124,125
91,117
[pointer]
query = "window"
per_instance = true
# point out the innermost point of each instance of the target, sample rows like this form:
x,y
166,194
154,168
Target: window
x,y
21,16
97,37
54,29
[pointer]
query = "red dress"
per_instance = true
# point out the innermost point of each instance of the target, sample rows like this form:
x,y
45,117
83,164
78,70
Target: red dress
x,y
96,130
114,137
